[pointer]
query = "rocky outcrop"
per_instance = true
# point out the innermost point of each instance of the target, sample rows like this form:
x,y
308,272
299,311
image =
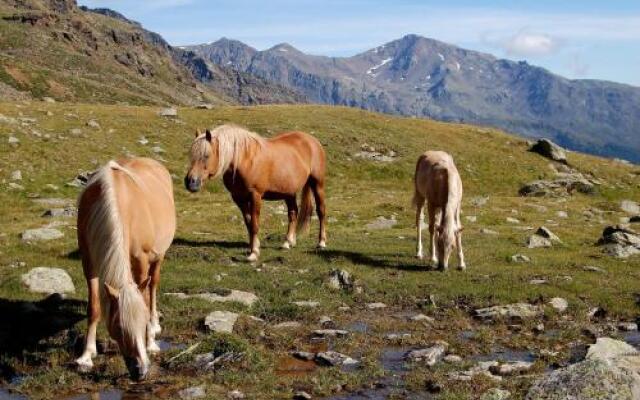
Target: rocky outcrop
x,y
620,241
611,370
48,280
547,148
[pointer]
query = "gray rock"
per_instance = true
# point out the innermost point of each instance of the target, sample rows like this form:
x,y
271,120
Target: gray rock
x,y
510,368
516,310
452,359
538,281
53,202
48,280
16,175
66,212
496,394
512,220
547,148
157,149
13,140
397,336
561,186
559,304
332,358
221,321
235,395
471,218
168,112
287,325
537,241
15,186
306,303
40,234
429,355
340,279
304,355
302,396
562,214
421,317
620,241
92,123
547,234
630,207
375,306
376,156
628,326
246,298
330,332
591,268
195,392
520,258
611,370
205,106
382,223
479,201
486,231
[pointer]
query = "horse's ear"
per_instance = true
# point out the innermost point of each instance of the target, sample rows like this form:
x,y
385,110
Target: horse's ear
x,y
208,136
112,292
198,132
142,286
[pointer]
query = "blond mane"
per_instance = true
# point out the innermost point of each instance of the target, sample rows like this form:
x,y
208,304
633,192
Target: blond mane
x,y
232,143
107,248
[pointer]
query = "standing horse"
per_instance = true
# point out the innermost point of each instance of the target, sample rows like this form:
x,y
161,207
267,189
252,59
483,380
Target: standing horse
x,y
126,222
254,168
438,182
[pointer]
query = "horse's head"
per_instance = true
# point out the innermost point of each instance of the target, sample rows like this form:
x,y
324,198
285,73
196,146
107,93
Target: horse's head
x,y
203,162
445,244
127,323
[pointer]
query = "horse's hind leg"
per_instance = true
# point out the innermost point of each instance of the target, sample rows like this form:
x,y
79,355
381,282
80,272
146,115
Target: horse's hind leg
x,y
93,314
462,264
256,204
317,187
292,211
419,201
434,223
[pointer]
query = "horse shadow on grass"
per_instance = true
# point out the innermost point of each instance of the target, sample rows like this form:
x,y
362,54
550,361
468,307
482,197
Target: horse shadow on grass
x,y
224,244
375,260
31,327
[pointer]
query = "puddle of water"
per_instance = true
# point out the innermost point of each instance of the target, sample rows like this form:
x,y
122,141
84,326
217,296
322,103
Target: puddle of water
x,y
166,345
392,359
290,366
7,395
109,394
468,335
633,338
358,327
502,354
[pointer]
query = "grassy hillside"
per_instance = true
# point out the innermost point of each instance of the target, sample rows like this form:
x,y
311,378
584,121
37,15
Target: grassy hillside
x,y
55,49
55,144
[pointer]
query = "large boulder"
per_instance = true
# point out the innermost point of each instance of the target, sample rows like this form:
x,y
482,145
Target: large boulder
x,y
48,280
547,148
611,370
221,321
620,241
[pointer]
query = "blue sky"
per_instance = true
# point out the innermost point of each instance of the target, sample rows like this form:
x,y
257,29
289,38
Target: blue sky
x,y
574,38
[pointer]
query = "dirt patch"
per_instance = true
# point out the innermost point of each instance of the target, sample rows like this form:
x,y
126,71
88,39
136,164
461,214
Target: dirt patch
x,y
18,75
57,89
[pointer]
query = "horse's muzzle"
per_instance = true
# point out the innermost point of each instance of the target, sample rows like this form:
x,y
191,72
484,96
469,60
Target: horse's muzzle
x,y
137,371
192,184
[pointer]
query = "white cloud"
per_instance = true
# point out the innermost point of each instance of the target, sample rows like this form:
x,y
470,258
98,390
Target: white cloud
x,y
529,44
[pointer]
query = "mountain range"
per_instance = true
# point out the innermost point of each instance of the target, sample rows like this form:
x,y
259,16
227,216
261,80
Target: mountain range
x,y
53,48
423,77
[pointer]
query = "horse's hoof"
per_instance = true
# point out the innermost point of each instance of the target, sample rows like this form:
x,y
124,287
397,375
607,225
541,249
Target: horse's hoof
x,y
84,364
153,347
419,256
253,257
462,267
322,245
285,246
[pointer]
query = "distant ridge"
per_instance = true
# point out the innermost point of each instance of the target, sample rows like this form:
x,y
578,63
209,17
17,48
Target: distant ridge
x,y
423,77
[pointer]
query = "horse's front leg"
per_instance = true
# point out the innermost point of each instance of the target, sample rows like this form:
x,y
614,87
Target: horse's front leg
x,y
254,242
292,213
93,313
154,272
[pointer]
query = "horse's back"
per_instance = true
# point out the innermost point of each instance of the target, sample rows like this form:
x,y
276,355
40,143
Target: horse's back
x,y
145,197
435,172
307,147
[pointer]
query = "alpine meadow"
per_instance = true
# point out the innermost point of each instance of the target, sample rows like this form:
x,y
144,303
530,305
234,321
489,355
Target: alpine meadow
x,y
105,295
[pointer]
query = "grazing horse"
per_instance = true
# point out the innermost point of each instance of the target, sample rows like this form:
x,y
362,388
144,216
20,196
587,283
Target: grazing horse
x,y
126,222
438,182
254,168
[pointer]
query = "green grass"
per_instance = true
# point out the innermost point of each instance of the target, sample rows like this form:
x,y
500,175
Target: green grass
x,y
211,237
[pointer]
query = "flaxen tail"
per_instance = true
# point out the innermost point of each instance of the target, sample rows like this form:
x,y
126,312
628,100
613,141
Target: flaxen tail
x,y
305,209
